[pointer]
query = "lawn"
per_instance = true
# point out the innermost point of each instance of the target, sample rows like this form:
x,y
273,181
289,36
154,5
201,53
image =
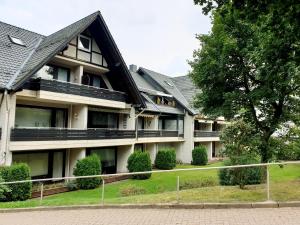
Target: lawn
x,y
161,188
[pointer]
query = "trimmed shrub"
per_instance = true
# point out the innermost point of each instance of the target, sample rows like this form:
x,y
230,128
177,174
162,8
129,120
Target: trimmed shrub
x,y
241,176
139,161
3,190
199,155
15,172
165,159
90,165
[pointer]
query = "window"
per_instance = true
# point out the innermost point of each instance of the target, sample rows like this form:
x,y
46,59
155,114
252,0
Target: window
x,y
93,80
29,116
107,157
84,43
102,120
141,123
168,123
15,40
54,72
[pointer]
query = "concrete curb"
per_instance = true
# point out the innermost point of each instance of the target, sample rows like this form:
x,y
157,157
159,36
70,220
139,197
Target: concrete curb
x,y
162,206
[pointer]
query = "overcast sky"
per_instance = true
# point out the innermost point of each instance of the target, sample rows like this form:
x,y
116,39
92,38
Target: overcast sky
x,y
156,34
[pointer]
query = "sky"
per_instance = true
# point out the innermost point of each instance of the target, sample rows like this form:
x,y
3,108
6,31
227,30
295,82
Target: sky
x,y
155,34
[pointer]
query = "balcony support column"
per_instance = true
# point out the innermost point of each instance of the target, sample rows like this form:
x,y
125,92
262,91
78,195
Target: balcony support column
x,y
7,121
72,157
185,154
123,152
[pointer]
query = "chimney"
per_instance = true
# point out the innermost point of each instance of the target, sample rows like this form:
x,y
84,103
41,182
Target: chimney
x,y
133,68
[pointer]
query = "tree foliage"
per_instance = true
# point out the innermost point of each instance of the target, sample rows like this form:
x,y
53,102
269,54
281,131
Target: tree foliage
x,y
249,64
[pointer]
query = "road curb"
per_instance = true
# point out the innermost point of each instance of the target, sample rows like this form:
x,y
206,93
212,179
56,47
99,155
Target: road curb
x,y
162,206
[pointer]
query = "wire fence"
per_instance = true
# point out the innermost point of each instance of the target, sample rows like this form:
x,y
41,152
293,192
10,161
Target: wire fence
x,y
177,183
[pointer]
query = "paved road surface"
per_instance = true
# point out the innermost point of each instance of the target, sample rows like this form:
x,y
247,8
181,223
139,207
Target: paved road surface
x,y
282,216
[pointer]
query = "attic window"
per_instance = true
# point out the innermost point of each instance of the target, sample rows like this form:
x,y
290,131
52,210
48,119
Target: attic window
x,y
15,40
84,43
169,84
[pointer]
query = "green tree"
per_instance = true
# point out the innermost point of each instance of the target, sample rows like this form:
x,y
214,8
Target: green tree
x,y
249,64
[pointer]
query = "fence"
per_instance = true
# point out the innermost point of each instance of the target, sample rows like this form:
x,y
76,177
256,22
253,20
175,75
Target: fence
x,y
177,182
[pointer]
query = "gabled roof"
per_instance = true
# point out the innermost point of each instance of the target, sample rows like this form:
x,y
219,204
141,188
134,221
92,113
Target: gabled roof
x,y
18,63
186,87
167,84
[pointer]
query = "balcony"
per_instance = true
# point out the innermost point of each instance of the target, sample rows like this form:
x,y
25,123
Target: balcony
x,y
75,89
56,134
158,133
200,133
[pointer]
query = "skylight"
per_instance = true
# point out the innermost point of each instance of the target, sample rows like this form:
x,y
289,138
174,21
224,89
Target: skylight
x,y
168,83
15,40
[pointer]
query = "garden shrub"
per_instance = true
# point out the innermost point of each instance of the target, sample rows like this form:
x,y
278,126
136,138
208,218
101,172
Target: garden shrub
x,y
132,190
16,172
165,159
199,155
204,182
241,176
90,165
4,190
139,161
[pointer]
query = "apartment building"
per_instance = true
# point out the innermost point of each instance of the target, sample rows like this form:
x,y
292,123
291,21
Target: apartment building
x,y
70,94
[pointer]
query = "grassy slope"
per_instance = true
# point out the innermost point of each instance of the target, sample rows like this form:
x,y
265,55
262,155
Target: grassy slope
x,y
285,185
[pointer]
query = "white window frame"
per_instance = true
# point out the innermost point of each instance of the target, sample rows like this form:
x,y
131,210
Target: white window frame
x,y
90,45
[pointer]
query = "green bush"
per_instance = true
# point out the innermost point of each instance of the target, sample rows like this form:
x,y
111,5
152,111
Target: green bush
x,y
199,155
139,161
15,172
3,190
241,176
165,159
90,165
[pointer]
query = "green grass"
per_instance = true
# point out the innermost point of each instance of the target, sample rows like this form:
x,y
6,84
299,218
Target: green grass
x,y
161,188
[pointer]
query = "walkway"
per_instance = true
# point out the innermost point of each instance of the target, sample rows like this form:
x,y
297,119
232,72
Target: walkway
x,y
280,216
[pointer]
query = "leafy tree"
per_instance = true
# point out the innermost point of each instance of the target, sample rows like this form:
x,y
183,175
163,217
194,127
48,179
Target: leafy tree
x,y
249,64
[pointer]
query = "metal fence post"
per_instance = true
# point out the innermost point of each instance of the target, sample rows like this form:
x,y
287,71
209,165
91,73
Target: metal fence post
x,y
42,192
268,184
177,189
102,196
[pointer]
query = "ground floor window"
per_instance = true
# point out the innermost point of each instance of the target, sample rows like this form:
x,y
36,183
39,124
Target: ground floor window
x,y
108,157
139,147
43,164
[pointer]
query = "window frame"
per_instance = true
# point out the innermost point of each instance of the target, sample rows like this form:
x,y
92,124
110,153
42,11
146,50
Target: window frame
x,y
90,43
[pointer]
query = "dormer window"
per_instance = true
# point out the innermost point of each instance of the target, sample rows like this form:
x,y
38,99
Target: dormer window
x,y
84,43
15,40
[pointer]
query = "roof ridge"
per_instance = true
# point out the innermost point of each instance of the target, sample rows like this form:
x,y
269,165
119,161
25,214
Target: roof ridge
x,y
92,14
22,28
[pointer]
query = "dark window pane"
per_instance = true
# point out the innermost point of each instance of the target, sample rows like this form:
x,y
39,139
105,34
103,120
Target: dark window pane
x,y
84,43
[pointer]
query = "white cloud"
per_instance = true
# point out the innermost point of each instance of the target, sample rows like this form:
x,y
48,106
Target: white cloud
x,y
156,34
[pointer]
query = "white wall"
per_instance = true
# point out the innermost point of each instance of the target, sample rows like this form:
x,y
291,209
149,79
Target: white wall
x,y
74,155
185,153
123,152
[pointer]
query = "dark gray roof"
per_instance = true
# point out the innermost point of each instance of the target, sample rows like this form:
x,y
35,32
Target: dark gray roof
x,y
18,63
186,87
169,86
51,45
12,55
141,82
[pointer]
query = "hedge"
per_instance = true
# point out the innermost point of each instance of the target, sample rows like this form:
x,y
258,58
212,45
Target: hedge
x,y
90,165
165,159
199,155
139,161
16,172
241,176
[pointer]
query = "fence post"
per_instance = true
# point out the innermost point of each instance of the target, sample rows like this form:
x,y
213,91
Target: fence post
x,y
268,184
42,192
102,196
177,189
